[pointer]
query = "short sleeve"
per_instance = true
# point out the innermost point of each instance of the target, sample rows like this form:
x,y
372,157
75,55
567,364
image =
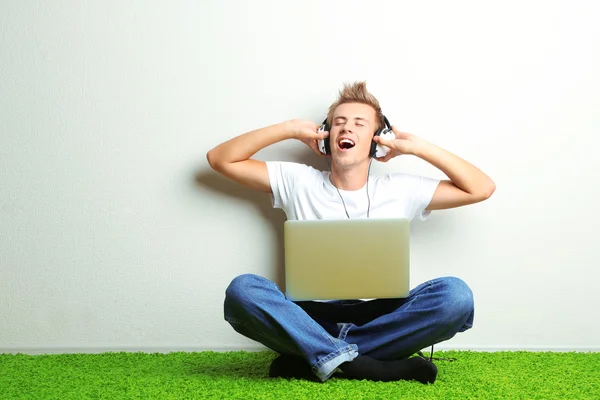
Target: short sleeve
x,y
414,192
283,177
424,188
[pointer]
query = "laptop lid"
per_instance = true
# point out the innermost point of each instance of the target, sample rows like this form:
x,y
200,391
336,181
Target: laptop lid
x,y
347,259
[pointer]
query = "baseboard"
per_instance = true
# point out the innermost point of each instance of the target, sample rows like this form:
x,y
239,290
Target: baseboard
x,y
498,348
89,349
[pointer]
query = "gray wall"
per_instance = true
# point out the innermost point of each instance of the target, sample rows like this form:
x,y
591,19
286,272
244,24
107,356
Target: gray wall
x,y
116,235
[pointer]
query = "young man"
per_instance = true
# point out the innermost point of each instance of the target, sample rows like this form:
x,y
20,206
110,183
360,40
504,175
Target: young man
x,y
356,339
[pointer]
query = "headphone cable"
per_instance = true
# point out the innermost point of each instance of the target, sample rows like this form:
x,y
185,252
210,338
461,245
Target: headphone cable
x,y
368,197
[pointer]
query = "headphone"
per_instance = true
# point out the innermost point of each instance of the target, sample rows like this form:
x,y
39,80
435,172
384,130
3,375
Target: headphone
x,y
376,150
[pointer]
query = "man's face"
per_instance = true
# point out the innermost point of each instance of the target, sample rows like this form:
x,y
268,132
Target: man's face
x,y
351,133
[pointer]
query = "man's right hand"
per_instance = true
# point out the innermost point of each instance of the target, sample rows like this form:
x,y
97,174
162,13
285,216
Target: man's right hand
x,y
306,132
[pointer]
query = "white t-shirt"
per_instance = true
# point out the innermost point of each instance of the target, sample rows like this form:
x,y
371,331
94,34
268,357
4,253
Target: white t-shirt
x,y
304,192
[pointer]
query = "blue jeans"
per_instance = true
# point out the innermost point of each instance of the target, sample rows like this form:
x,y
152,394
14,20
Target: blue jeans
x,y
326,334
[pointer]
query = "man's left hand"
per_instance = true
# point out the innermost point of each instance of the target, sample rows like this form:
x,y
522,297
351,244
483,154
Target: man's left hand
x,y
405,143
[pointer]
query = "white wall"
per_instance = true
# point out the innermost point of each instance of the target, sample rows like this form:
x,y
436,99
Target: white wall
x,y
116,235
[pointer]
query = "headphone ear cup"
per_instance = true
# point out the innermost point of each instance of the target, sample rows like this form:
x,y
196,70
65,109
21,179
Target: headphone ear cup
x,y
323,144
387,127
374,144
326,140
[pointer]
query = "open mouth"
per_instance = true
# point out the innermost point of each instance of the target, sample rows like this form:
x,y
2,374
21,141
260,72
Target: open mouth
x,y
345,144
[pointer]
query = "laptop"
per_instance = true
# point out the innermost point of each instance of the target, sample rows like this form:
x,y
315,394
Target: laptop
x,y
347,259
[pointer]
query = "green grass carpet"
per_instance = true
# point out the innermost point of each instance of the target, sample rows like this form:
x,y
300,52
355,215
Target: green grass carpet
x,y
243,375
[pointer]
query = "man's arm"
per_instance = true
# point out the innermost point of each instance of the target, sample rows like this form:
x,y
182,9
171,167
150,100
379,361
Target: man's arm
x,y
232,158
466,185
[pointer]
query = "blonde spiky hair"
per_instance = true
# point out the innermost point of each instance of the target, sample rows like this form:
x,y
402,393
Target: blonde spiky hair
x,y
356,93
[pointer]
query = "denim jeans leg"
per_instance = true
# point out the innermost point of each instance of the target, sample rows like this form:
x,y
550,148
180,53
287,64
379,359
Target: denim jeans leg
x,y
256,308
435,311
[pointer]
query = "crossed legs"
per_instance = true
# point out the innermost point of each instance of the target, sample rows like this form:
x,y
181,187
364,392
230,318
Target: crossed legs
x,y
350,335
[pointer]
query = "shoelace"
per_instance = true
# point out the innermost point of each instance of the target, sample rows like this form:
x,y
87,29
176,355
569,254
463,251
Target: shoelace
x,y
431,358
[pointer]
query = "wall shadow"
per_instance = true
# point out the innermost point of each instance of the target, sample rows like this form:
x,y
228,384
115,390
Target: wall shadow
x,y
208,179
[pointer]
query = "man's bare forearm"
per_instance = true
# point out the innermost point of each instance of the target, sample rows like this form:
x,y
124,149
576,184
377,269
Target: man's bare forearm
x,y
242,147
463,174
